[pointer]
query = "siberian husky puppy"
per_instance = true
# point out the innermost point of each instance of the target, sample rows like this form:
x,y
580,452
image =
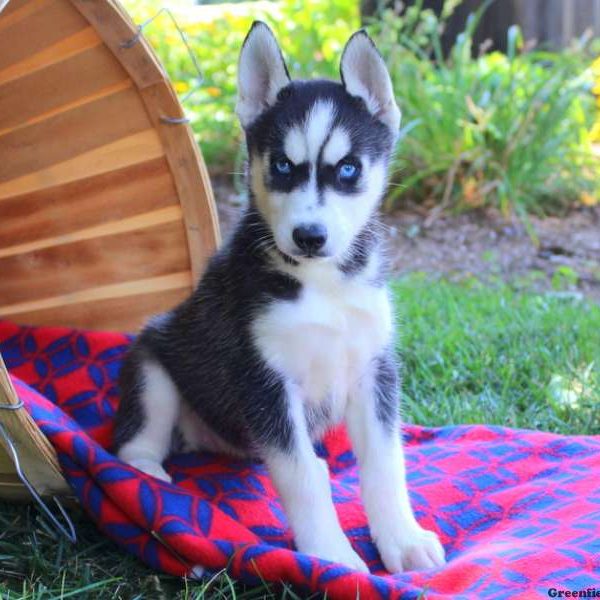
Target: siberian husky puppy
x,y
290,330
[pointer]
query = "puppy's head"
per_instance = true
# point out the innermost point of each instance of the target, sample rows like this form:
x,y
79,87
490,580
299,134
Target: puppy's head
x,y
318,150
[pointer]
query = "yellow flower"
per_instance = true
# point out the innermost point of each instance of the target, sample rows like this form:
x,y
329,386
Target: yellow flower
x,y
181,86
587,199
213,91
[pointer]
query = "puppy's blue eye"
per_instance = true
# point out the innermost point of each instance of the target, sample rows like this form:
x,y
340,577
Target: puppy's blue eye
x,y
283,167
347,171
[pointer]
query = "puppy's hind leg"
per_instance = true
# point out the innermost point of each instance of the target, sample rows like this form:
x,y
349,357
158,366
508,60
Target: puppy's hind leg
x,y
146,416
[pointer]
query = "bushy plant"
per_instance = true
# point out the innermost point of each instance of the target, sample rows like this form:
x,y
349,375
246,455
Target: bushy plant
x,y
312,34
510,130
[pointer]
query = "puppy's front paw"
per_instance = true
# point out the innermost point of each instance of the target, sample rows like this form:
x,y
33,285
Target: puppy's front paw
x,y
151,467
339,551
410,550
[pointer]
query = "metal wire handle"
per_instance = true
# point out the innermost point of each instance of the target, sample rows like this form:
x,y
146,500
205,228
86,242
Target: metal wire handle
x,y
19,404
136,38
69,530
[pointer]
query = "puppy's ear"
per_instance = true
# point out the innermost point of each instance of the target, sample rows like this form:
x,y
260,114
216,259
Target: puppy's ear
x,y
261,73
365,75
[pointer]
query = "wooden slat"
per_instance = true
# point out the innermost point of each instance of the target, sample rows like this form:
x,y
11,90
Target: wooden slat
x,y
104,292
37,456
170,214
66,84
11,487
107,91
71,46
70,134
90,202
53,22
189,171
132,150
119,314
114,27
17,10
8,475
100,261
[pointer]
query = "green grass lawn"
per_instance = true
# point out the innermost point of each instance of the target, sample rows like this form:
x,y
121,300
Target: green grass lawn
x,y
472,354
476,354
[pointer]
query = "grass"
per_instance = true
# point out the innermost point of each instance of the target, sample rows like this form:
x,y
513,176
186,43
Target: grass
x,y
471,354
476,354
36,566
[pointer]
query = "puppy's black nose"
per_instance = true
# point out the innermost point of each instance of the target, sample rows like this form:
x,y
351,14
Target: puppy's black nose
x,y
310,238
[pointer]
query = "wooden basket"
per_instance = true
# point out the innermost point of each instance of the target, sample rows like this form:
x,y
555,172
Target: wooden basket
x,y
106,209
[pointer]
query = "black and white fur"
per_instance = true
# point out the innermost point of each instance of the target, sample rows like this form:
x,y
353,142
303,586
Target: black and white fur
x,y
290,330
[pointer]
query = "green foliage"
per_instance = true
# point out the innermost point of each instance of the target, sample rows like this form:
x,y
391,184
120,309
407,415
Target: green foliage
x,y
512,131
505,130
312,34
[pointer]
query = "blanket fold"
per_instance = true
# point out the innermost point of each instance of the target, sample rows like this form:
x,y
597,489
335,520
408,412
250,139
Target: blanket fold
x,y
517,511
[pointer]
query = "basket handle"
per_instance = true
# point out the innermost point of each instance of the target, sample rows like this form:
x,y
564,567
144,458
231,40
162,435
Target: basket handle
x,y
69,530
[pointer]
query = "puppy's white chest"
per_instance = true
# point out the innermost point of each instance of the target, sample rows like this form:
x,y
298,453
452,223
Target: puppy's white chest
x,y
325,340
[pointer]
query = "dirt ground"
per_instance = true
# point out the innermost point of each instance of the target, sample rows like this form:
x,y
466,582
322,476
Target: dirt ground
x,y
565,259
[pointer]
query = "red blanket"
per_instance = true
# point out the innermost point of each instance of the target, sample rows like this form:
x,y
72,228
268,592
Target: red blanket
x,y
518,511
